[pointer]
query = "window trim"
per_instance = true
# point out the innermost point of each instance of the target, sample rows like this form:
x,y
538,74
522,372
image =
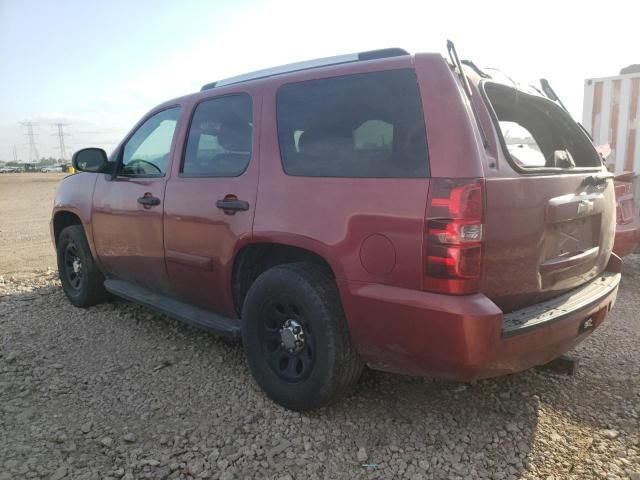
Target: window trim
x,y
183,154
503,145
351,74
117,173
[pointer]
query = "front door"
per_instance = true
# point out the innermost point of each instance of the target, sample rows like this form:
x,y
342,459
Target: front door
x,y
210,201
127,209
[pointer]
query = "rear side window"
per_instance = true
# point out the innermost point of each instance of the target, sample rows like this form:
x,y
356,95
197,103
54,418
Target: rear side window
x,y
219,139
538,134
363,125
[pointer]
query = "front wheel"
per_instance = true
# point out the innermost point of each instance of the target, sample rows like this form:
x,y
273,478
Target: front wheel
x,y
296,338
82,281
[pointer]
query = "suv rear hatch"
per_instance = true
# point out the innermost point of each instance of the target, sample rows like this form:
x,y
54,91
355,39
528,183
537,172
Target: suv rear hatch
x,y
549,208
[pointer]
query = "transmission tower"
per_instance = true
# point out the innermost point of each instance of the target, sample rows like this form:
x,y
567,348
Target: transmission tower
x,y
63,150
15,154
33,150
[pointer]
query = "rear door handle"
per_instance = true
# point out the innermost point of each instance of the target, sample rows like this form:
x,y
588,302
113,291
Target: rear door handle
x,y
148,201
232,205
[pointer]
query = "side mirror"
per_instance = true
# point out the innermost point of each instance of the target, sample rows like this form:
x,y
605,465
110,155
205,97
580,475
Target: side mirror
x,y
93,160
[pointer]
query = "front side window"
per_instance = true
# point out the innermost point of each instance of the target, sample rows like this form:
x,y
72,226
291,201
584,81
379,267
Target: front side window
x,y
219,140
362,125
146,153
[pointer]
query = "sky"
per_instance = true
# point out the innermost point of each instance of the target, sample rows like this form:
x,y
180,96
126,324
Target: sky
x,y
98,66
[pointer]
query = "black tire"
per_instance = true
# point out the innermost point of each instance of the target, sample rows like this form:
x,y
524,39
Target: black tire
x,y
82,281
326,366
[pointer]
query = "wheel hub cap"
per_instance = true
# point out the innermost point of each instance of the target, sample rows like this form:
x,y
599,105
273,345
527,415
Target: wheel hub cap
x,y
72,266
292,336
77,266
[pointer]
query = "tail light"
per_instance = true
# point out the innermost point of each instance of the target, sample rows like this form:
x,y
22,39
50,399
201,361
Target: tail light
x,y
453,237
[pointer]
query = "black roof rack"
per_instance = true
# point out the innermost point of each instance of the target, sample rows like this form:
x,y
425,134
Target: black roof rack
x,y
307,65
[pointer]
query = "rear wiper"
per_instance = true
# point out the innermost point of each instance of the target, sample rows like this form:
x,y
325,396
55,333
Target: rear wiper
x,y
550,92
551,95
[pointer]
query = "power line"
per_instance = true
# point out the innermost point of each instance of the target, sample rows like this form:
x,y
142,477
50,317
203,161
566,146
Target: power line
x,y
33,150
61,143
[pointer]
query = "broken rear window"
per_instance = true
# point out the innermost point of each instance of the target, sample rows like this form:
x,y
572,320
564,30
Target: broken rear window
x,y
536,133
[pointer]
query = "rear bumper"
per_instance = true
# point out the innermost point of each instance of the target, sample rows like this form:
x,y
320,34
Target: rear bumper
x,y
627,237
468,337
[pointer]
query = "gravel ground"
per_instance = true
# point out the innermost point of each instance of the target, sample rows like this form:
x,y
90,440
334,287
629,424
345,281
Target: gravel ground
x,y
117,391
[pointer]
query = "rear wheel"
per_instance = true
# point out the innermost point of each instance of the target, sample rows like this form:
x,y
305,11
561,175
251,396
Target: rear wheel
x,y
82,281
296,338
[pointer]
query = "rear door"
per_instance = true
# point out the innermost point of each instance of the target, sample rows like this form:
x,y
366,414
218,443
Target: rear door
x,y
550,203
210,200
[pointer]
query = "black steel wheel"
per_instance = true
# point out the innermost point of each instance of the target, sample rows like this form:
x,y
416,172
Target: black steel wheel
x,y
73,266
287,340
296,338
82,281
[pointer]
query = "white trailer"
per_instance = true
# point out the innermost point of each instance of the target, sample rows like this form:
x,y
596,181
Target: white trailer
x,y
611,113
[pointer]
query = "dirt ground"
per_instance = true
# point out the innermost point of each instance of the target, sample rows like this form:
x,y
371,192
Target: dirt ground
x,y
26,200
117,391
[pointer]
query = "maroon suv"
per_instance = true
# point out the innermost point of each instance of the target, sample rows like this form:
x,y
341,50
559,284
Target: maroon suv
x,y
382,209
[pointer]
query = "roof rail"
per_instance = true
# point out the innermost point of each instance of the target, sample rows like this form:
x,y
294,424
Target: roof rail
x,y
307,65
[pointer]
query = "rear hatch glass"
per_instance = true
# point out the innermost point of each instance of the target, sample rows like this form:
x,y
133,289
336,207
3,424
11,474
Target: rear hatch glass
x,y
550,214
537,133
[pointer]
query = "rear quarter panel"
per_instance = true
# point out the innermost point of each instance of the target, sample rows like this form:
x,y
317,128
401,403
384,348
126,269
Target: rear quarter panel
x,y
367,229
455,148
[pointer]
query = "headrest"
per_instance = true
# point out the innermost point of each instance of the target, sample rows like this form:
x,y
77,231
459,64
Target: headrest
x,y
235,137
321,141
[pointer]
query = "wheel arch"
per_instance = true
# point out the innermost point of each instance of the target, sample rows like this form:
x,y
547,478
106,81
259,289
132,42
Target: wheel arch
x,y
256,257
63,219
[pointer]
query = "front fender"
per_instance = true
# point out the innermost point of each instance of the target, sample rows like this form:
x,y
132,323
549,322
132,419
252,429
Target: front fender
x,y
75,195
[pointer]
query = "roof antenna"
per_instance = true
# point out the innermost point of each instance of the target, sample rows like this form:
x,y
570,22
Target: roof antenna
x,y
467,89
453,55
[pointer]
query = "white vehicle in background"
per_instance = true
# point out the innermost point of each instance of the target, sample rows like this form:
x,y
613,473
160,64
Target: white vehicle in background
x,y
51,169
